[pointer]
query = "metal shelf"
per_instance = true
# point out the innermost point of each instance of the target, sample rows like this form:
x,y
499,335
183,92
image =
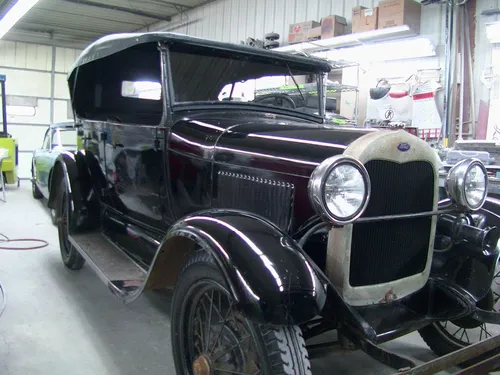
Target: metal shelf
x,y
306,89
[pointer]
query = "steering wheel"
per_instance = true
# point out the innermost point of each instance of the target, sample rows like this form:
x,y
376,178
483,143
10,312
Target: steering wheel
x,y
279,99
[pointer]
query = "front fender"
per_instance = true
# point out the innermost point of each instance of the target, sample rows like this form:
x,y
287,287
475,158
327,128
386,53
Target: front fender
x,y
269,275
491,209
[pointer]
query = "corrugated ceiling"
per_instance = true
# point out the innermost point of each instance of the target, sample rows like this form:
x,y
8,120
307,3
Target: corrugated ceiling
x,y
87,20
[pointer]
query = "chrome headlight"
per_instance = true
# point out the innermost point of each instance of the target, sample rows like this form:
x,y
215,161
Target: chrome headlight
x,y
339,189
467,184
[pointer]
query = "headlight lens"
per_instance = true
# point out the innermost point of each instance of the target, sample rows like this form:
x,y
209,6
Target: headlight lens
x,y
339,189
475,186
467,184
345,190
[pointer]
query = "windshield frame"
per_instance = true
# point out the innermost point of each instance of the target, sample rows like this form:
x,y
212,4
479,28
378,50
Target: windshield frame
x,y
168,84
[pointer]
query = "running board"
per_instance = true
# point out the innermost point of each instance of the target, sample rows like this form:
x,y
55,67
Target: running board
x,y
116,269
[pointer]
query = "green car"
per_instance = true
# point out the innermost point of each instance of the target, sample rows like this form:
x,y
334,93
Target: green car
x,y
59,137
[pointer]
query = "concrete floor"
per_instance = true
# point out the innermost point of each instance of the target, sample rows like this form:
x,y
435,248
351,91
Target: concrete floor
x,y
57,322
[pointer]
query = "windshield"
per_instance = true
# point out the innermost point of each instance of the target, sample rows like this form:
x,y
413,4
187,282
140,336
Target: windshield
x,y
208,77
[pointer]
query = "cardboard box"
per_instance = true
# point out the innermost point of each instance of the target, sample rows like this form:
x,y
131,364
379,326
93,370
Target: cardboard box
x,y
332,26
364,19
314,34
300,32
399,12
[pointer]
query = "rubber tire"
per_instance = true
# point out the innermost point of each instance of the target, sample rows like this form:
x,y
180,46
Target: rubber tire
x,y
53,216
436,341
72,259
284,345
37,194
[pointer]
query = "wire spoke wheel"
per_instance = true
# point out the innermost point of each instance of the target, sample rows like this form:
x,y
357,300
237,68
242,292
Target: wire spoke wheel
x,y
222,340
467,331
212,336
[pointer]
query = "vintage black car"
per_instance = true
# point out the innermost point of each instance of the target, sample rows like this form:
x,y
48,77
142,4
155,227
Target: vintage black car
x,y
271,224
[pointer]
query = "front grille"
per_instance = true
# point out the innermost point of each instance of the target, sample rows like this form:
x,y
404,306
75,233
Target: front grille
x,y
385,251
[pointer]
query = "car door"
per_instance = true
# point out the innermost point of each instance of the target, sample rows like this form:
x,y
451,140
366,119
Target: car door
x,y
41,162
138,178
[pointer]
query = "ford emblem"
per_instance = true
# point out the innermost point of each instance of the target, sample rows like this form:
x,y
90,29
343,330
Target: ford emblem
x,y
403,147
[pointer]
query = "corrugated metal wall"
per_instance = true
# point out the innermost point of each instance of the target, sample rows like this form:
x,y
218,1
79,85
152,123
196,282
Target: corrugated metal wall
x,y
486,54
36,74
235,20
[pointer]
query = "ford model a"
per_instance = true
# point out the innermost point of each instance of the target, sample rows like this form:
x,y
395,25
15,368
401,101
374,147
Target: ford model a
x,y
210,169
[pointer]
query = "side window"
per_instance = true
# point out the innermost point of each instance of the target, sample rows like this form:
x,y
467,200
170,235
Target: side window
x,y
46,140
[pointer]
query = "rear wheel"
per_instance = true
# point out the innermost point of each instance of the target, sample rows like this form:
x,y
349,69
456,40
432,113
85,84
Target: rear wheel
x,y
70,256
211,337
36,192
53,216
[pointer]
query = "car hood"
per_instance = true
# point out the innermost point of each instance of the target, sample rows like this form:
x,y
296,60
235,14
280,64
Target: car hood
x,y
282,145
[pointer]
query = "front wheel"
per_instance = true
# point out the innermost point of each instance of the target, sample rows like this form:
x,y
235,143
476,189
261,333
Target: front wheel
x,y
449,336
211,337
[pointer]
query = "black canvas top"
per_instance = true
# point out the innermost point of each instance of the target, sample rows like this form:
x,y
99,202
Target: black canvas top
x,y
114,43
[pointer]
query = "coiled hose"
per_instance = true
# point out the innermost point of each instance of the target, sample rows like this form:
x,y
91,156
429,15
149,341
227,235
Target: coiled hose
x,y
5,239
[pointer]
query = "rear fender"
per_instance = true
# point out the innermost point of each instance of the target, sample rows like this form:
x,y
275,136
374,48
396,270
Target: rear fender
x,y
65,167
271,278
74,170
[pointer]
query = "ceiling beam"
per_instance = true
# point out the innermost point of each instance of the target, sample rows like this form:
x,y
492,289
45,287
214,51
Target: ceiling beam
x,y
120,9
176,5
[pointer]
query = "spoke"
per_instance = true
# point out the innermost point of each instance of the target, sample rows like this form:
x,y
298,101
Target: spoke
x,y
497,297
210,318
231,348
221,329
458,330
483,328
467,336
200,327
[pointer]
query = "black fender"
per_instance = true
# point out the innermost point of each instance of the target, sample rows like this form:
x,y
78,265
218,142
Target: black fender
x,y
471,270
65,167
271,278
74,169
491,210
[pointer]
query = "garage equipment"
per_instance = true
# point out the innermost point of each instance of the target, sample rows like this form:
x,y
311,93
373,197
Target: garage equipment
x,y
9,164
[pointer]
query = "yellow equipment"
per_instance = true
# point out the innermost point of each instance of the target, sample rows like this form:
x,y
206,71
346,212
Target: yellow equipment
x,y
10,164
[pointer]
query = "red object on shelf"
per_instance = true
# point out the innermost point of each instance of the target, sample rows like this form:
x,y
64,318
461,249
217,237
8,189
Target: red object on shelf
x,y
430,133
398,94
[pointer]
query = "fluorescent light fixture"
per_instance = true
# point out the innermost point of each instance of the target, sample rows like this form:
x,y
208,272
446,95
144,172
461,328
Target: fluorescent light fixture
x,y
15,14
387,51
493,32
348,40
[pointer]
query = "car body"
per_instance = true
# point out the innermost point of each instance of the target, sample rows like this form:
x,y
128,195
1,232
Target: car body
x,y
59,137
288,225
